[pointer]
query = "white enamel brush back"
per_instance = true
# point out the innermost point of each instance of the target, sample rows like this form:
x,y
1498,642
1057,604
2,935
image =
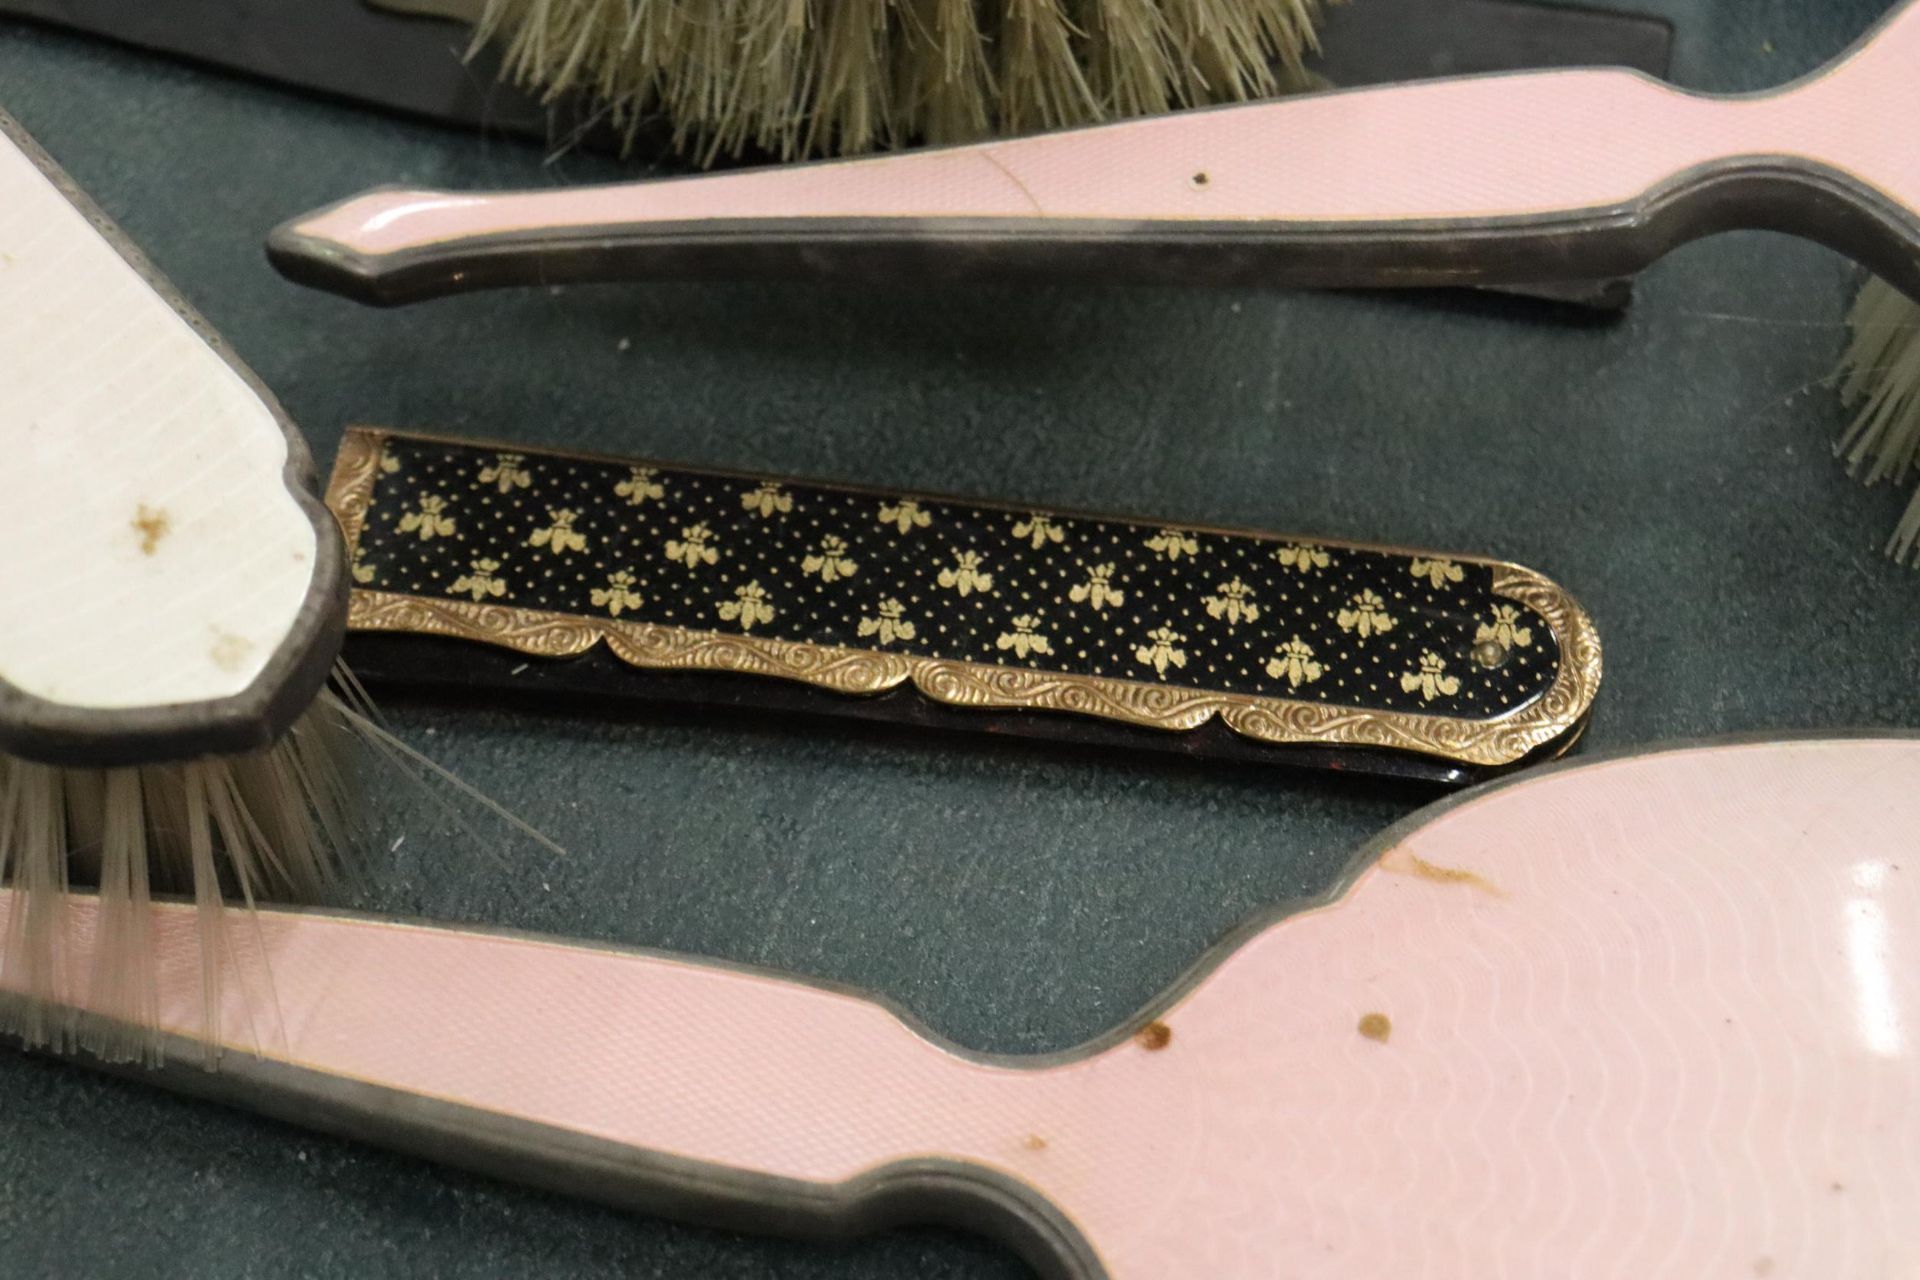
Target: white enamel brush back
x,y
151,553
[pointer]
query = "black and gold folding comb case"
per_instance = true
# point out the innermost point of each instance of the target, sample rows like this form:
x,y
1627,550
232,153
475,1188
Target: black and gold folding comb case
x,y
508,573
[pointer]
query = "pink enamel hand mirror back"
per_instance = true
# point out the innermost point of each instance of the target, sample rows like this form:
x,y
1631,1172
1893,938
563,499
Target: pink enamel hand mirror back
x,y
1647,1016
1499,179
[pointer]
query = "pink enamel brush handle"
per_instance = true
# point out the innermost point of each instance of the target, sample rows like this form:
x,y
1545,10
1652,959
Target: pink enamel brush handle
x,y
1495,179
1652,1016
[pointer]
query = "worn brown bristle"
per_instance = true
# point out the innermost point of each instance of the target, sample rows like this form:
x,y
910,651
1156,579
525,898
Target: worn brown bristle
x,y
274,826
793,78
1881,380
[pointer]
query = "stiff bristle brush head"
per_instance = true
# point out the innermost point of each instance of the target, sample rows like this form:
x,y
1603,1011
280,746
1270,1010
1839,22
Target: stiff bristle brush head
x,y
794,78
1880,380
175,600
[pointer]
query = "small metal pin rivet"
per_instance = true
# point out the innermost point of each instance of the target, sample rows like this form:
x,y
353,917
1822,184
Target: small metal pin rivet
x,y
1491,654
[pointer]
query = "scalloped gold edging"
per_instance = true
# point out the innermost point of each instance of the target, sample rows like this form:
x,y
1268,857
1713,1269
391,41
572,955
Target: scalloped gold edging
x,y
649,646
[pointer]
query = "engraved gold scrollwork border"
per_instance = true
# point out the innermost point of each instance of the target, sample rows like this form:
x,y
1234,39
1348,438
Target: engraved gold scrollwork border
x,y
1503,740
350,490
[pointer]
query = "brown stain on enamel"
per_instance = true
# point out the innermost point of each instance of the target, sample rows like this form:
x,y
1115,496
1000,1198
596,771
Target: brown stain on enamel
x,y
1034,1142
1377,1027
229,651
1412,864
1154,1037
153,525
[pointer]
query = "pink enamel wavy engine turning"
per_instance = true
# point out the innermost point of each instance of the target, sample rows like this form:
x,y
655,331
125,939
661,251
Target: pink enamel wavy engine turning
x,y
1649,1017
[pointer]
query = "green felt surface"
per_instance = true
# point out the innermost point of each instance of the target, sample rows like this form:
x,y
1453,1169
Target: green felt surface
x,y
1671,469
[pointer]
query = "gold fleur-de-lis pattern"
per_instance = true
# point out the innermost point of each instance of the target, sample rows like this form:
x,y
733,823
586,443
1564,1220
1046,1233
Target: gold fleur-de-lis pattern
x,y
888,623
1302,558
749,607
1294,664
768,500
965,575
1505,629
1163,648
618,595
644,544
1233,603
1174,543
429,519
506,472
1431,680
830,561
1438,572
1025,638
1366,615
1039,529
905,515
641,484
559,536
694,547
481,581
1099,590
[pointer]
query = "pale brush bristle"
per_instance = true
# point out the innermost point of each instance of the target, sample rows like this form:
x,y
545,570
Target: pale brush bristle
x,y
276,826
807,77
1042,85
1881,378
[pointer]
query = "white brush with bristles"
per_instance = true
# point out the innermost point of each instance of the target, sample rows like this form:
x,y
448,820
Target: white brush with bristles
x,y
173,602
